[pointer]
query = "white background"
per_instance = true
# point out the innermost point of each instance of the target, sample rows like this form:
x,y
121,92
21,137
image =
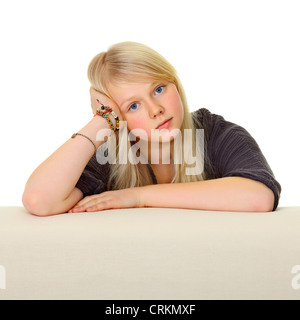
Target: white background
x,y
239,59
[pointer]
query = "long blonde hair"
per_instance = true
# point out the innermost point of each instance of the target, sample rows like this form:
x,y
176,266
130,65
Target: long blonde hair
x,y
132,62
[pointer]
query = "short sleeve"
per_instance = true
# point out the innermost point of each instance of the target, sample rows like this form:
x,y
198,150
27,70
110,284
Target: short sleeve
x,y
94,177
232,151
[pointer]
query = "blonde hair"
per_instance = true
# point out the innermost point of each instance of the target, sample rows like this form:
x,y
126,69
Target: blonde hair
x,y
132,62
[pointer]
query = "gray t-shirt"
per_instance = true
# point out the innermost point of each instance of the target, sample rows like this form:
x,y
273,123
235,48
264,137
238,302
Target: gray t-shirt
x,y
229,151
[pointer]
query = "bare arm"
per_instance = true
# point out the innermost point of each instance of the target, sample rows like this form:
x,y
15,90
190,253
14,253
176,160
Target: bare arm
x,y
224,194
51,187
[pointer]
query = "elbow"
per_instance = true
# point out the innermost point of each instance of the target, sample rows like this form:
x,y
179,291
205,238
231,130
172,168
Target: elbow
x,y
264,201
34,204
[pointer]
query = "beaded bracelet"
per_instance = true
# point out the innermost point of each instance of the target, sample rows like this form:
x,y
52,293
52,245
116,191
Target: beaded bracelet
x,y
108,120
103,108
104,112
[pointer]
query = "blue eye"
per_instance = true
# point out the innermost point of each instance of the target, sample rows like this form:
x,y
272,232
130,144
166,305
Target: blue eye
x,y
159,89
133,106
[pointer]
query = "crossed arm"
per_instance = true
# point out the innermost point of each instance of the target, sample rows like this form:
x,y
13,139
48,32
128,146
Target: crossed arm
x,y
224,194
51,187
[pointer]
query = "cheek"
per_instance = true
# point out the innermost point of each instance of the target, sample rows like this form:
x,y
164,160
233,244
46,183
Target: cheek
x,y
174,102
135,124
141,126
175,107
138,123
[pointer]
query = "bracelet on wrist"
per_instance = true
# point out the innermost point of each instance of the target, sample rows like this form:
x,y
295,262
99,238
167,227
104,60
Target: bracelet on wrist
x,y
80,134
104,112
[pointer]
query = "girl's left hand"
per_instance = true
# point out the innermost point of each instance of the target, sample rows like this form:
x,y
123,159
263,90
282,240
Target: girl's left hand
x,y
117,199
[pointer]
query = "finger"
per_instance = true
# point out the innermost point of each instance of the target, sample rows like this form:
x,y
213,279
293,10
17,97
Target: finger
x,y
87,199
102,204
97,201
79,206
91,206
97,207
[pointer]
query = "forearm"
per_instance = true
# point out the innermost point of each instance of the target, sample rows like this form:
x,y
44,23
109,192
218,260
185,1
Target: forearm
x,y
224,194
54,180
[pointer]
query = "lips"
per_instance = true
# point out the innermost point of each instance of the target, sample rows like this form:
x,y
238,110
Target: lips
x,y
164,124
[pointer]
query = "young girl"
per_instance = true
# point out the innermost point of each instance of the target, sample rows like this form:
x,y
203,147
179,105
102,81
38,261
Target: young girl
x,y
140,110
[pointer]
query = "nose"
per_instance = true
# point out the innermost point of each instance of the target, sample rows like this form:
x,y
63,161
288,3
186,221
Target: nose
x,y
155,109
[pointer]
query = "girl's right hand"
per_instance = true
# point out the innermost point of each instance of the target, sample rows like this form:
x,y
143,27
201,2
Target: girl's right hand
x,y
96,95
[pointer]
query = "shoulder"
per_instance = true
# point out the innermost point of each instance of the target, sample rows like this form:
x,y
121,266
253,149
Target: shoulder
x,y
205,119
204,114
209,120
224,140
221,133
215,126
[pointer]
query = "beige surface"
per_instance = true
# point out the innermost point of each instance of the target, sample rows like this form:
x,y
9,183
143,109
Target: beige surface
x,y
150,253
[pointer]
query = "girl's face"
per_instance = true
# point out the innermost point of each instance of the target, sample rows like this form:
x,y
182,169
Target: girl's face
x,y
149,106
